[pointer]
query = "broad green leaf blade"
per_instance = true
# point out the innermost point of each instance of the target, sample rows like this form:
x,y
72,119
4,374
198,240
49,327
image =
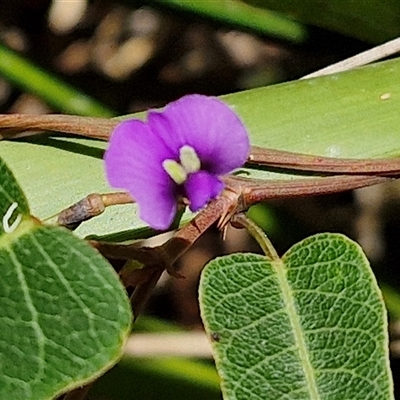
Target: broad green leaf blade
x,y
13,204
374,20
311,325
48,170
352,114
64,315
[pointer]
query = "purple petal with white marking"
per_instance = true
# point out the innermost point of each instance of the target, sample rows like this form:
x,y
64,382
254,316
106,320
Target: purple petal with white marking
x,y
209,126
200,188
133,161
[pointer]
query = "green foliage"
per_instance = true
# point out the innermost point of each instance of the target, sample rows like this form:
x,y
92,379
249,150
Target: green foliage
x,y
343,115
64,315
311,325
374,20
24,74
236,12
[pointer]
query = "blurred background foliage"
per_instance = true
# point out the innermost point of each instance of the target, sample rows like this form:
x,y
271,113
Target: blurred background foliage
x,y
107,58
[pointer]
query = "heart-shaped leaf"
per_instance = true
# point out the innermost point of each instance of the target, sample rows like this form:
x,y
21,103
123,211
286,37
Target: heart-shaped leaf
x,y
64,315
311,325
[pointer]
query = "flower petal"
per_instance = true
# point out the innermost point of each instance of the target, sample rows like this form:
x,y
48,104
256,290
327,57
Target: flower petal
x,y
209,126
133,161
200,188
159,210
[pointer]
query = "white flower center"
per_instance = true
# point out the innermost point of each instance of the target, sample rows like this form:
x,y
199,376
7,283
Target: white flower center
x,y
189,163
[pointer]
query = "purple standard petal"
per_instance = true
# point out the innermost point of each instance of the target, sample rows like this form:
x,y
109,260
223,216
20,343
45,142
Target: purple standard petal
x,y
133,161
201,187
209,126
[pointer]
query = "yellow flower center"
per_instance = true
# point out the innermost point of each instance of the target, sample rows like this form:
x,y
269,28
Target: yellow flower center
x,y
189,163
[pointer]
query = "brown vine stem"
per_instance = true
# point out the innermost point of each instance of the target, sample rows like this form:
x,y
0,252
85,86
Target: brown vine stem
x,y
91,206
249,190
16,125
304,162
157,259
240,194
168,253
97,128
94,205
181,241
219,210
256,190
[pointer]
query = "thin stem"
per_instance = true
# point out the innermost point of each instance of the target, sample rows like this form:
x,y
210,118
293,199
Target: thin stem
x,y
98,128
304,162
12,125
257,233
366,57
253,191
188,234
91,206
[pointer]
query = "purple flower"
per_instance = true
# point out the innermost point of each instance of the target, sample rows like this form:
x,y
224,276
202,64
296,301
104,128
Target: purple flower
x,y
180,151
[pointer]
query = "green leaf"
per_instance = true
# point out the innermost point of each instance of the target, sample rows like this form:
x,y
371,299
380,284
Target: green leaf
x,y
26,75
64,315
236,12
13,204
342,115
311,325
374,20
